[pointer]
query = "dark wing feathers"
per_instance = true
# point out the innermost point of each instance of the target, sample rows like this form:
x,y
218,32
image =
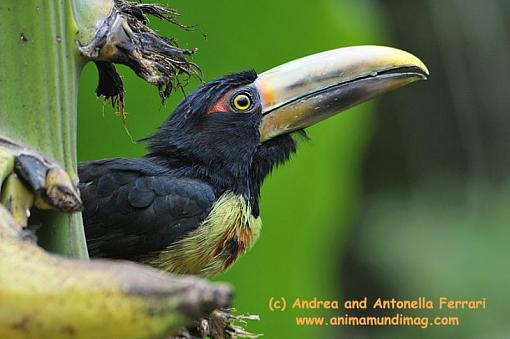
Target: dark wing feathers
x,y
133,208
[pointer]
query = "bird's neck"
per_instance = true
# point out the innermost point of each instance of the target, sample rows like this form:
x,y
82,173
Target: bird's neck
x,y
240,180
222,176
239,177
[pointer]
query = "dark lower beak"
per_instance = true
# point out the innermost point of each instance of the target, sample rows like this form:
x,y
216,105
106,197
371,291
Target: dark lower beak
x,y
305,91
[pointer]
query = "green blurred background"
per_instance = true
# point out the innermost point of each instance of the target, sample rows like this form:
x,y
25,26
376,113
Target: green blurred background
x,y
402,197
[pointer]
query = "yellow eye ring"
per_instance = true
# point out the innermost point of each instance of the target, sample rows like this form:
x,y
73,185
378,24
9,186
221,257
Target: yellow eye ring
x,y
242,102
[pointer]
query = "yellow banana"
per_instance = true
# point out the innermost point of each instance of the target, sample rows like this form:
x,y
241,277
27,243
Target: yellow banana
x,y
46,296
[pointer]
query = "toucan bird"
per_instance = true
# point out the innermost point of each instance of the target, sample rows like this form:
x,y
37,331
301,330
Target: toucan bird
x,y
191,204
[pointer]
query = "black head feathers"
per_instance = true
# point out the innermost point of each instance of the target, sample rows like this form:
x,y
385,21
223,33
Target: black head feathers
x,y
222,148
200,100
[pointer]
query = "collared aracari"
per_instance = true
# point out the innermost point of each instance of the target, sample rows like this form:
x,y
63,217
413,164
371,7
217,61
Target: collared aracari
x,y
191,204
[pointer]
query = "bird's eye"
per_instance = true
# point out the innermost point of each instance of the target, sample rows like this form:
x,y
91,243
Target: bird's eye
x,y
242,102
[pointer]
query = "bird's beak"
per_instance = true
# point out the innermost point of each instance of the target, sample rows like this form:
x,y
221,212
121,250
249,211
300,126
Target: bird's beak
x,y
303,92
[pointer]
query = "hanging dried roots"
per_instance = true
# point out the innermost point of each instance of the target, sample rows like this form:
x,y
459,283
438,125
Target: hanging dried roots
x,y
123,37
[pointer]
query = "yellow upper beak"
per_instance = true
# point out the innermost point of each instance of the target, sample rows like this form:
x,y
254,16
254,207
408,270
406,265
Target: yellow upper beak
x,y
304,91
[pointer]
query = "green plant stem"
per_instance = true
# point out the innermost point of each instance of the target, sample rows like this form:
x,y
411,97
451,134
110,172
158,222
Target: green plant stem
x,y
39,74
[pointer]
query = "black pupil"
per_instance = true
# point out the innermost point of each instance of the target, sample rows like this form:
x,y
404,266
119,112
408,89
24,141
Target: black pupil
x,y
243,101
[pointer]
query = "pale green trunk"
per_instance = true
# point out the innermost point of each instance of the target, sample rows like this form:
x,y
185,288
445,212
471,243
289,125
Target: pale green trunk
x,y
39,74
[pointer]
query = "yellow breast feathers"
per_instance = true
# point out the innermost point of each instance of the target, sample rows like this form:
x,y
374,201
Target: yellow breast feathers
x,y
229,231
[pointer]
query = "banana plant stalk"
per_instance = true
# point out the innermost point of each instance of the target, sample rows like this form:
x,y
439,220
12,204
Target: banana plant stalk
x,y
43,48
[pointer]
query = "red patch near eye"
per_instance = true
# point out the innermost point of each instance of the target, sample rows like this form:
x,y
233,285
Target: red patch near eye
x,y
221,105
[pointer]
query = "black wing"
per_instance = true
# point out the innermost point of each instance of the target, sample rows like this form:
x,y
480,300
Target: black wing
x,y
132,208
